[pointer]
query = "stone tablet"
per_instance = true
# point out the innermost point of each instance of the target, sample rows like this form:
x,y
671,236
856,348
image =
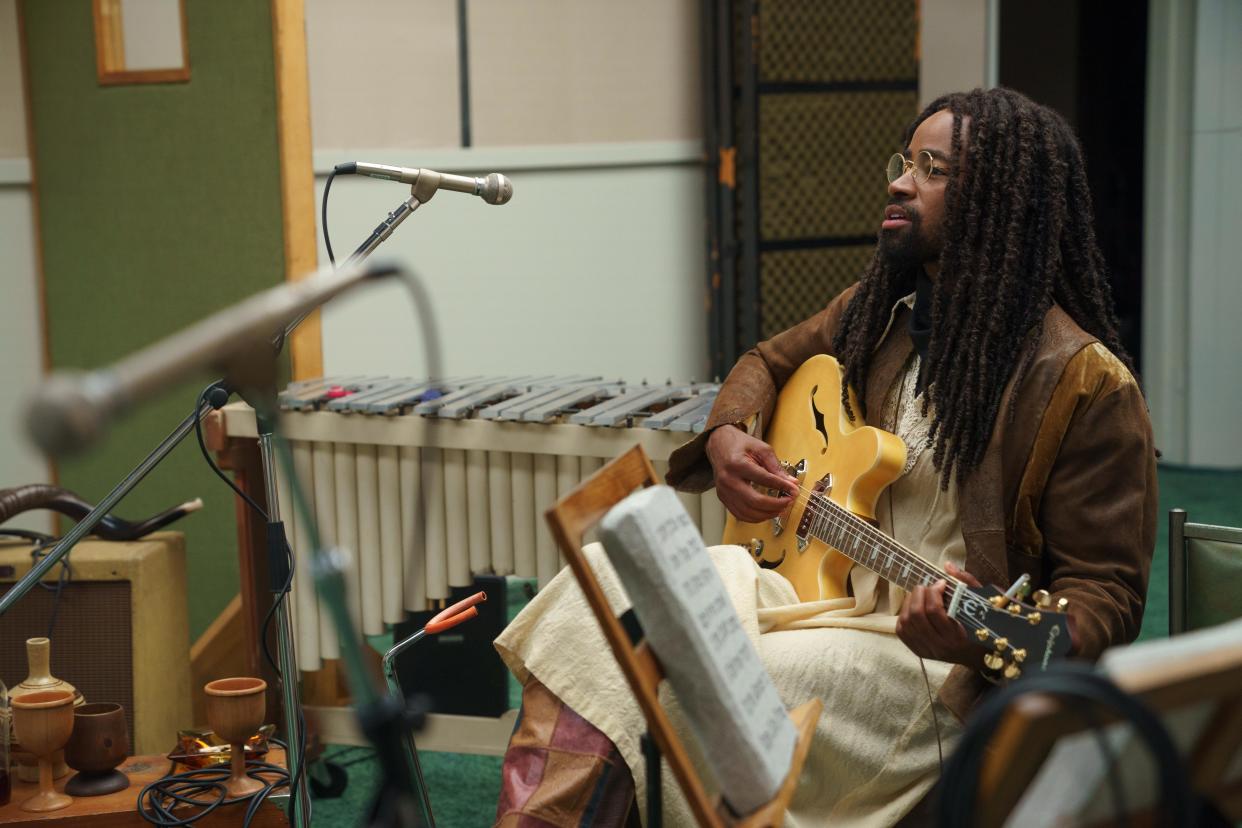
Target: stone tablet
x,y
680,600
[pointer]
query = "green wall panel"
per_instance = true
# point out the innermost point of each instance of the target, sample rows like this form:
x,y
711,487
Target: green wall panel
x,y
158,204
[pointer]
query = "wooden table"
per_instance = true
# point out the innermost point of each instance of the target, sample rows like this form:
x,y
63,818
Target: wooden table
x,y
119,810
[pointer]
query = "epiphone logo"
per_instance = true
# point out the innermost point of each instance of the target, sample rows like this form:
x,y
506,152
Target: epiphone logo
x,y
1053,634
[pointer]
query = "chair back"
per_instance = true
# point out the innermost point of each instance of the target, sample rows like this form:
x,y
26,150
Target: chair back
x,y
1205,574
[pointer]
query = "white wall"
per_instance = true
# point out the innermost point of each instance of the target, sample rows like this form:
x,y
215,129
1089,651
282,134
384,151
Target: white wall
x,y
592,108
1214,286
595,268
21,324
1192,247
953,46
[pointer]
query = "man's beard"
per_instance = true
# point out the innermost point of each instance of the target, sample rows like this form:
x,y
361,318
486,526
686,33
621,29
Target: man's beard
x,y
909,247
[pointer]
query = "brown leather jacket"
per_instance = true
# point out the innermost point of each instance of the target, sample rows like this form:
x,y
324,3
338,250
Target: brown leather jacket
x,y
1066,491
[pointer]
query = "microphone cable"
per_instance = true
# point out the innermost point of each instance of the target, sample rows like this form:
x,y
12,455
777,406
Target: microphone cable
x,y
165,801
327,240
217,394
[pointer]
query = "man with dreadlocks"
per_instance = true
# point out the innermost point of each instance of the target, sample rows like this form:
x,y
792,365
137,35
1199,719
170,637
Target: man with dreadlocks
x,y
983,334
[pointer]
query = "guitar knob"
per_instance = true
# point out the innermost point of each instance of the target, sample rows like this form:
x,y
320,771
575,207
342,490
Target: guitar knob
x,y
1062,604
993,662
1013,671
1042,599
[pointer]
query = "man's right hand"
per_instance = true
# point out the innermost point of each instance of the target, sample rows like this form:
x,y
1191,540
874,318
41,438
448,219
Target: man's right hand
x,y
739,461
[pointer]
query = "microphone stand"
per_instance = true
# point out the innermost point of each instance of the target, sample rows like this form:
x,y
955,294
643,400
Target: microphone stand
x,y
383,719
212,401
420,193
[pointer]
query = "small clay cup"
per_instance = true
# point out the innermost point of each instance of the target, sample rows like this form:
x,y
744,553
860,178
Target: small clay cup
x,y
99,743
43,721
235,710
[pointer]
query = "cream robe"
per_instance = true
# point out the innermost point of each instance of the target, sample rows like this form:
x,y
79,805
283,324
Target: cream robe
x,y
875,752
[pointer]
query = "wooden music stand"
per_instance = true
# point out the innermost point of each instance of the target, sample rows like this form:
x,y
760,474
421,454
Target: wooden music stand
x,y
1035,723
570,518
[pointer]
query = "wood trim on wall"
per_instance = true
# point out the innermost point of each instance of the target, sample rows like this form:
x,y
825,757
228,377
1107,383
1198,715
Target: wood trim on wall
x,y
32,155
110,50
297,178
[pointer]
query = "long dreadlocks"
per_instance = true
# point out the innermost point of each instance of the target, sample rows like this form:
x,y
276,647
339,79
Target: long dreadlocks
x,y
1017,237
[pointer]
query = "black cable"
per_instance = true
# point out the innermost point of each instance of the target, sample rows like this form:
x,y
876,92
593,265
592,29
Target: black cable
x,y
41,538
327,241
960,783
41,543
1121,810
281,595
267,623
163,801
198,431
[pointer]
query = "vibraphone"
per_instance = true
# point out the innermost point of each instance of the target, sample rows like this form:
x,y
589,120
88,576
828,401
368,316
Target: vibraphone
x,y
428,484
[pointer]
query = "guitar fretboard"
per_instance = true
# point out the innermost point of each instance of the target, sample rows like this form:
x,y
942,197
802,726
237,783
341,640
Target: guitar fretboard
x,y
867,546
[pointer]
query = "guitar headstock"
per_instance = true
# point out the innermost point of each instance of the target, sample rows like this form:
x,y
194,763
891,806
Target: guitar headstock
x,y
1020,636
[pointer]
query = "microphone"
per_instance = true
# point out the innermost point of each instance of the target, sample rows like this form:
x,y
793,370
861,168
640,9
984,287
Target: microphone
x,y
494,189
72,409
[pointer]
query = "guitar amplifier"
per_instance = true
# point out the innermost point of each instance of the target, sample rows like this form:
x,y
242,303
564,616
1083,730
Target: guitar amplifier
x,y
118,628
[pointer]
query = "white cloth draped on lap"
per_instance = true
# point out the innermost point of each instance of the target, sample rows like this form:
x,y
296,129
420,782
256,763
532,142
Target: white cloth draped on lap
x,y
875,752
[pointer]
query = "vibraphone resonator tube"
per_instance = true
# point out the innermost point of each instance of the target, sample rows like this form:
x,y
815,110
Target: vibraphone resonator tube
x,y
430,483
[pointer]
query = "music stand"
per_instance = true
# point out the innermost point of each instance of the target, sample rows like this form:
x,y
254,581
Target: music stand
x,y
570,518
1192,682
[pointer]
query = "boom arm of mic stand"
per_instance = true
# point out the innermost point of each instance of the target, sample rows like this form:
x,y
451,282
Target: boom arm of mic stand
x,y
259,308
83,527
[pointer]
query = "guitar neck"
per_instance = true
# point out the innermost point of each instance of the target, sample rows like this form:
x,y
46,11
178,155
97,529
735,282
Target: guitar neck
x,y
868,547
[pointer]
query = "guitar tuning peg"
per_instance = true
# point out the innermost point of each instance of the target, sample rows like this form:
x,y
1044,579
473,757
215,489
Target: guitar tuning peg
x,y
1012,671
1001,644
1034,618
993,662
1062,604
1042,599
981,634
1019,655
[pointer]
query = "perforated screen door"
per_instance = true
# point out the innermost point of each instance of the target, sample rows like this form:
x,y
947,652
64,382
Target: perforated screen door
x,y
807,99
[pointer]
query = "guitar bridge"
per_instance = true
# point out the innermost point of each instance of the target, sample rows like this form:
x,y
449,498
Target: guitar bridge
x,y
797,471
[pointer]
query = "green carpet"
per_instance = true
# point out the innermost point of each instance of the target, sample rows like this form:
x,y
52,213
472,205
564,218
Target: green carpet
x,y
464,788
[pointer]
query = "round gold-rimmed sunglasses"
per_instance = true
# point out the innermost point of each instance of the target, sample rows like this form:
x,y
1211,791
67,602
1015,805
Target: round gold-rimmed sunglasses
x,y
923,166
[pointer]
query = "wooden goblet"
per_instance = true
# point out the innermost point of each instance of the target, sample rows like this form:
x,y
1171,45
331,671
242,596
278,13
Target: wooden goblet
x,y
235,709
43,721
99,743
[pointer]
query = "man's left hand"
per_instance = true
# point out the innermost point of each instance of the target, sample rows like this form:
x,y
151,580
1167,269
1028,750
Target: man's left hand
x,y
926,628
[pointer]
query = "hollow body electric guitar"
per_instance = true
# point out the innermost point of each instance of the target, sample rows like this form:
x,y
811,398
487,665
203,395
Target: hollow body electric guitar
x,y
829,527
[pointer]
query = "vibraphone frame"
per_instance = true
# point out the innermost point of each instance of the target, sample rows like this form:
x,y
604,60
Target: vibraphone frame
x,y
232,433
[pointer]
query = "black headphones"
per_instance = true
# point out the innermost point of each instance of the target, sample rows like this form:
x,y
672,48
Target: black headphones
x,y
959,787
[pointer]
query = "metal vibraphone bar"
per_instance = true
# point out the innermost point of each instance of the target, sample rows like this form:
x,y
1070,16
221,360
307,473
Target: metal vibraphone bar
x,y
431,483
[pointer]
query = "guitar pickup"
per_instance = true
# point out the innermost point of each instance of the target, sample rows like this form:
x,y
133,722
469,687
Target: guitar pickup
x,y
821,489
